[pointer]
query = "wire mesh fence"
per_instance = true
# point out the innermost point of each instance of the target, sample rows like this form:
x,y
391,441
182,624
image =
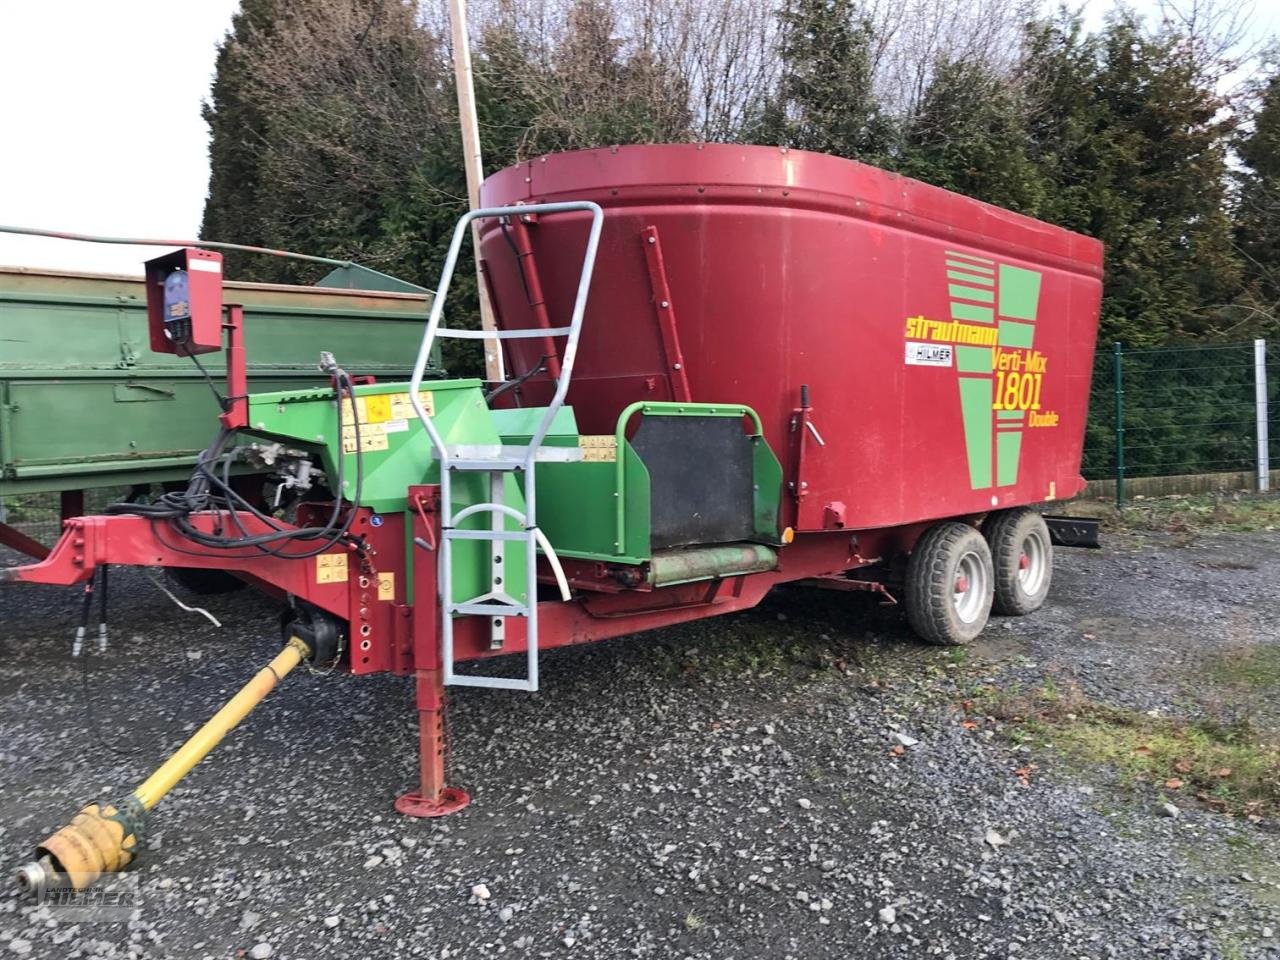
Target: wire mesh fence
x,y
39,515
1174,411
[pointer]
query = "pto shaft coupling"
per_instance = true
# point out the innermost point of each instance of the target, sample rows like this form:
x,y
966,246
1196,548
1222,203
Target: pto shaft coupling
x,y
104,838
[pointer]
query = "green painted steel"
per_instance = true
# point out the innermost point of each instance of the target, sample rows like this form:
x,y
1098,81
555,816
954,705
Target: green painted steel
x,y
578,503
768,494
84,402
595,508
398,454
1019,292
352,276
768,480
690,564
600,509
1117,360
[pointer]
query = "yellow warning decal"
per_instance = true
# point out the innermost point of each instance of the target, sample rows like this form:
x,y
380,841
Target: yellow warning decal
x,y
402,406
386,586
599,448
373,437
361,410
331,568
377,408
381,407
377,416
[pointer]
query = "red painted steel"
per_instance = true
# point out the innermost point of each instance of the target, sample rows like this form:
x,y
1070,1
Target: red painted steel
x,y
392,609
665,311
794,268
396,629
236,416
823,293
204,294
433,798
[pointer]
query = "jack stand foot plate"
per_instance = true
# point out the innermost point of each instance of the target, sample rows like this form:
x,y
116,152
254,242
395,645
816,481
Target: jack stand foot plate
x,y
451,800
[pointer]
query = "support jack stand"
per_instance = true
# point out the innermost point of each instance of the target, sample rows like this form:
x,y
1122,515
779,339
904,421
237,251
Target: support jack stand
x,y
432,798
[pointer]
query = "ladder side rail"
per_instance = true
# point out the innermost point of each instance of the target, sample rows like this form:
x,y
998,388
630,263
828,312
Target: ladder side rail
x,y
424,351
531,586
527,520
433,328
575,331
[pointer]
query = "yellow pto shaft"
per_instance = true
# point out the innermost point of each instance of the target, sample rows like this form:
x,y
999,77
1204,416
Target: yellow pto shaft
x,y
104,838
154,788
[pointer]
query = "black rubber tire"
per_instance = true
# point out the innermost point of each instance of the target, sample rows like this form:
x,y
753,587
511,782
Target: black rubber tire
x,y
931,578
206,583
1006,533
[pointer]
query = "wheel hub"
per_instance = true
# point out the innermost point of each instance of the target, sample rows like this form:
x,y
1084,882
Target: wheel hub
x,y
970,588
1033,565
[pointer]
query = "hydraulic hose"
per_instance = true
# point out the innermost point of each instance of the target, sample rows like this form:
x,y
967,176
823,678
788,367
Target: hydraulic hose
x,y
104,838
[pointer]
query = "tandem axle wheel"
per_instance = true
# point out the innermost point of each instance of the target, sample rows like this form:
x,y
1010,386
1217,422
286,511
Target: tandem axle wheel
x,y
950,584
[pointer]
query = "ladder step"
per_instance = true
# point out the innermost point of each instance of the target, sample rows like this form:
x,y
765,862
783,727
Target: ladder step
x,y
490,609
454,533
522,333
486,466
513,452
492,683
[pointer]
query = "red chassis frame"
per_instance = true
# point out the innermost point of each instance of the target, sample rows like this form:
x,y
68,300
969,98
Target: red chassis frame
x,y
396,630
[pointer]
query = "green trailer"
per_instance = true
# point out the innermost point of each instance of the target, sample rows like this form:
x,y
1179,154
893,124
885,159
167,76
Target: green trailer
x,y
85,403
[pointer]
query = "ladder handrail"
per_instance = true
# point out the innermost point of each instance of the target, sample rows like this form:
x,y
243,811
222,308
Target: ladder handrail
x,y
531,535
575,322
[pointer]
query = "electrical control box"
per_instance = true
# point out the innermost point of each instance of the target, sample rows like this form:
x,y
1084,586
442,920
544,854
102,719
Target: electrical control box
x,y
184,302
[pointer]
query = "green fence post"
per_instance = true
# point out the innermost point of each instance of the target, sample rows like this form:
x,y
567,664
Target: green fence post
x,y
1119,379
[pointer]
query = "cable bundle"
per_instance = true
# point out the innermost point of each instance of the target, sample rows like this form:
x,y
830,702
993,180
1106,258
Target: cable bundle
x,y
209,491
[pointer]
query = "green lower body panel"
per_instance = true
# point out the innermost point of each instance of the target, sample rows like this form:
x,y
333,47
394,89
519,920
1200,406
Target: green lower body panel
x,y
679,478
688,564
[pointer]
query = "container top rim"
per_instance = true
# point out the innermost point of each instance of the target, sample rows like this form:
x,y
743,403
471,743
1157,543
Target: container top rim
x,y
606,174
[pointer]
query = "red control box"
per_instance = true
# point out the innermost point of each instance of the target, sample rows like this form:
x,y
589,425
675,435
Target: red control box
x,y
184,302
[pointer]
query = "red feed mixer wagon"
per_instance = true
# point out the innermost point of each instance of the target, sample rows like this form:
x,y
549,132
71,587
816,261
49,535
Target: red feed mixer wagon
x,y
726,368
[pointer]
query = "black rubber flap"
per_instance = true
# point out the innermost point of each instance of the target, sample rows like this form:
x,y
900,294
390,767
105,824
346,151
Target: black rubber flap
x,y
701,472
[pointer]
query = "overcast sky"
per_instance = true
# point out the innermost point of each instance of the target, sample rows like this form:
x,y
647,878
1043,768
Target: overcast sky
x,y
100,121
100,113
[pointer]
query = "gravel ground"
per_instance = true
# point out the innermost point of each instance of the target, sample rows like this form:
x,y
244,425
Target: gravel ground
x,y
722,790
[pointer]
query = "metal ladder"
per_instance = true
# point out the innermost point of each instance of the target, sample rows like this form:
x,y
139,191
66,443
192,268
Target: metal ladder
x,y
496,461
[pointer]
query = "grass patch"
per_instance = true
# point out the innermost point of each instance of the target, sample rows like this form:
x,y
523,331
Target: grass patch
x,y
1186,514
1255,667
1228,766
746,644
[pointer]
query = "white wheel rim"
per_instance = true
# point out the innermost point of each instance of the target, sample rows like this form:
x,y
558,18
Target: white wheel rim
x,y
970,589
1033,565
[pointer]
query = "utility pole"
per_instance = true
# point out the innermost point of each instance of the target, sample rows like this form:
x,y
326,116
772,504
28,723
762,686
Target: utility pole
x,y
1260,400
474,164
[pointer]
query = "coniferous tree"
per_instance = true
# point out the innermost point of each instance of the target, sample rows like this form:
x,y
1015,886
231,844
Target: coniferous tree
x,y
1168,180
237,135
826,98
334,131
1129,130
969,135
1257,210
